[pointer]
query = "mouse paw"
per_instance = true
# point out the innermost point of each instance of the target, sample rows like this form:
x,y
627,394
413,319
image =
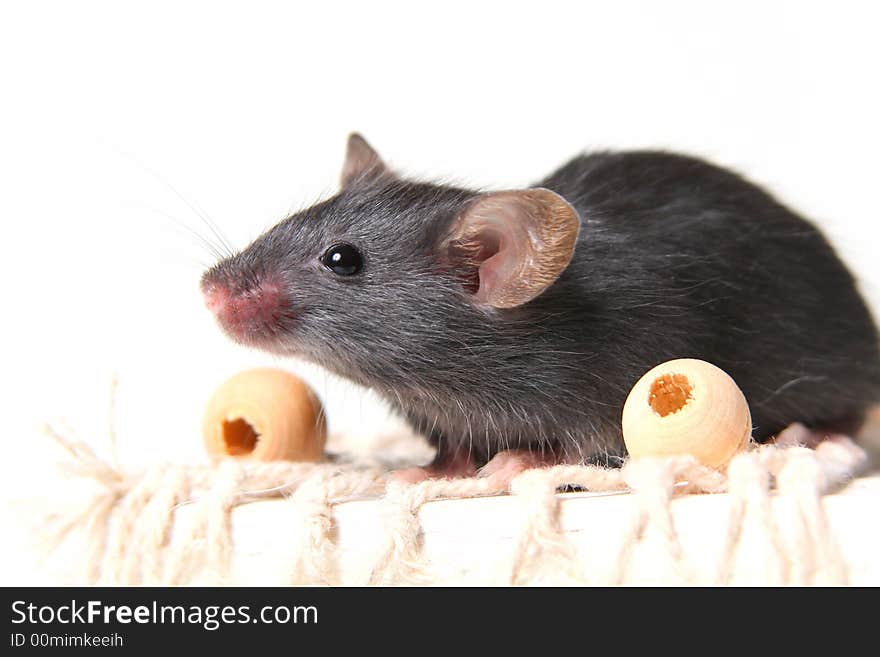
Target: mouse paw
x,y
797,435
447,468
505,466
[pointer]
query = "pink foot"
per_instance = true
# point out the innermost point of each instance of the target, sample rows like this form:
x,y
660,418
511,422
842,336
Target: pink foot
x,y
505,466
797,434
448,468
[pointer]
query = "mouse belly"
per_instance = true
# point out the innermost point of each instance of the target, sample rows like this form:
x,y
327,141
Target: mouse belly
x,y
475,441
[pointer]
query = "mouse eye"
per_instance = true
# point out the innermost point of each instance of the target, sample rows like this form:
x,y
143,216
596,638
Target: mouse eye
x,y
343,259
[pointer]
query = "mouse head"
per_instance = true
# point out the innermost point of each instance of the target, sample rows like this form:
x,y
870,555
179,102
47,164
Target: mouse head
x,y
389,275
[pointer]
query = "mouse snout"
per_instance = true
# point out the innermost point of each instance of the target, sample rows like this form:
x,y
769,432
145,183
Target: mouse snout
x,y
248,313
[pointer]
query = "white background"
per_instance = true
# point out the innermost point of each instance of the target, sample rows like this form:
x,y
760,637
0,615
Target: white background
x,y
243,109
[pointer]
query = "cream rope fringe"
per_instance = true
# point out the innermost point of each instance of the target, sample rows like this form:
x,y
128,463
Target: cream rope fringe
x,y
128,525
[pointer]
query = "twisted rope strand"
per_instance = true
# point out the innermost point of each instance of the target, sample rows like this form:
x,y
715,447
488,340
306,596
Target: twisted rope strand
x,y
135,533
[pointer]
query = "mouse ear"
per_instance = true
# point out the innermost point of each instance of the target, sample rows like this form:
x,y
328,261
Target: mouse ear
x,y
516,243
361,161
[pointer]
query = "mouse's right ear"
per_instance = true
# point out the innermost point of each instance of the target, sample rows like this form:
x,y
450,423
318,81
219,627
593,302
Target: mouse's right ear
x,y
362,162
511,246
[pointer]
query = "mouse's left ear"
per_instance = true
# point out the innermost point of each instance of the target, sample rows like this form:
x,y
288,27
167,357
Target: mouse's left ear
x,y
362,162
515,244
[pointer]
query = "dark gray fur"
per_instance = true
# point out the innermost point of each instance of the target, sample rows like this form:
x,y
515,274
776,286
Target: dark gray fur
x,y
676,258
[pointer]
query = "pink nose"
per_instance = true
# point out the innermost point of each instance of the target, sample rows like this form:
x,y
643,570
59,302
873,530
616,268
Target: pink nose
x,y
249,313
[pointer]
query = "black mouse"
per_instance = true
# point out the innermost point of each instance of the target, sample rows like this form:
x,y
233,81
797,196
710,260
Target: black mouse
x,y
511,325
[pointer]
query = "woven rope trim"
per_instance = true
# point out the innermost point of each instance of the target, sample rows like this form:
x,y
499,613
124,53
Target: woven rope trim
x,y
128,525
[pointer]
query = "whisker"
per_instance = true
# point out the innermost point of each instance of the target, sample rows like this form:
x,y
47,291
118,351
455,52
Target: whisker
x,y
227,249
213,250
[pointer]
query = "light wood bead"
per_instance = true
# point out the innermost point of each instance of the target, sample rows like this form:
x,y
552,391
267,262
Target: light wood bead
x,y
687,406
265,414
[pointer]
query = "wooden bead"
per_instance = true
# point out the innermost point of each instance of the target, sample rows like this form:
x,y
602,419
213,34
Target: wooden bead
x,y
267,415
687,406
